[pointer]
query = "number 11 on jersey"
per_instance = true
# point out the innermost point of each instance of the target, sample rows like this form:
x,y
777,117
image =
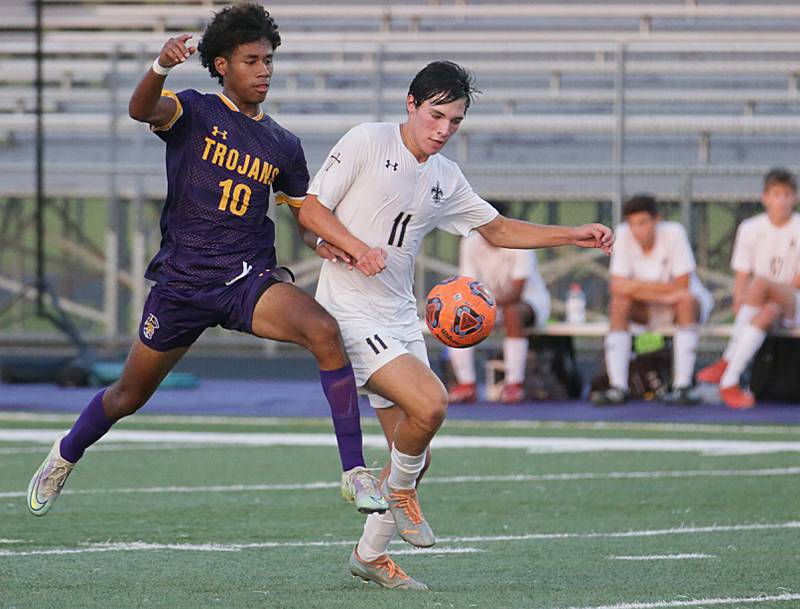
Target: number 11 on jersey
x,y
401,221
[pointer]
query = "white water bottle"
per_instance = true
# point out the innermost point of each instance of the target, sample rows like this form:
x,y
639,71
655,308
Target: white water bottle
x,y
575,305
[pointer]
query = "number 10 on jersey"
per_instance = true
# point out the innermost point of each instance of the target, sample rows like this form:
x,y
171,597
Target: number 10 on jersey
x,y
238,196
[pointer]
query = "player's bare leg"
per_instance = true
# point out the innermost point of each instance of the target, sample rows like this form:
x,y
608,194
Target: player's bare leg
x,y
410,384
370,559
286,313
516,317
144,370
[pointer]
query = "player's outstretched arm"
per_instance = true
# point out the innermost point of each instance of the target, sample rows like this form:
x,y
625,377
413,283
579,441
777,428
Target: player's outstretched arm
x,y
518,234
321,221
147,105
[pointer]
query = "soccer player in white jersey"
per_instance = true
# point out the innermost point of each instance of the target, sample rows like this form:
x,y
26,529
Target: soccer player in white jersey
x,y
522,297
381,190
766,261
653,282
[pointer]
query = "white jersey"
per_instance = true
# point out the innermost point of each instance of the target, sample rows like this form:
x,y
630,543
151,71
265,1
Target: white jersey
x,y
498,267
387,199
670,257
768,251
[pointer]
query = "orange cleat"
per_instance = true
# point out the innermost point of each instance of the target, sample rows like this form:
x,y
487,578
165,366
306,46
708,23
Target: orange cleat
x,y
737,398
463,394
713,373
513,393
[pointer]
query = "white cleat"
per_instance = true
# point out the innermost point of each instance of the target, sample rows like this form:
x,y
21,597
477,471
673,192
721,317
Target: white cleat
x,y
384,572
361,488
48,481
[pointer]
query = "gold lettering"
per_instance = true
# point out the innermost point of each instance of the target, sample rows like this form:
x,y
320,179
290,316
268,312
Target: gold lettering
x,y
242,169
219,154
233,158
265,171
274,175
209,143
255,169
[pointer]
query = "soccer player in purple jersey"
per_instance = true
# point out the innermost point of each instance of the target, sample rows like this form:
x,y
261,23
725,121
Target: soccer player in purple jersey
x,y
217,265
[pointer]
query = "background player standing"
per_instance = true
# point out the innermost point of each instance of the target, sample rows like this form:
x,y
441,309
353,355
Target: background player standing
x,y
766,261
217,263
382,189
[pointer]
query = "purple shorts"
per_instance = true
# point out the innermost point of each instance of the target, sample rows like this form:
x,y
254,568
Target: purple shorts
x,y
175,318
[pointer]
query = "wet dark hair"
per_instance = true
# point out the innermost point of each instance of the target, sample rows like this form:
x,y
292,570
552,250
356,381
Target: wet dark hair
x,y
234,26
779,175
443,82
639,203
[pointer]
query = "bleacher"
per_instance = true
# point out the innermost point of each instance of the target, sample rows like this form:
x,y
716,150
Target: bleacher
x,y
581,100
703,83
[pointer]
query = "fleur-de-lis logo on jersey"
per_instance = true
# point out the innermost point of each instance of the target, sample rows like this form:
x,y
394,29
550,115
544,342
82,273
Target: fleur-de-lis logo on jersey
x,y
436,194
217,131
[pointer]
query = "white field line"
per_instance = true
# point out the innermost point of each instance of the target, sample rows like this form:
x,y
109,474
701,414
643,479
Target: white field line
x,y
531,444
664,557
102,448
700,602
451,423
313,486
236,547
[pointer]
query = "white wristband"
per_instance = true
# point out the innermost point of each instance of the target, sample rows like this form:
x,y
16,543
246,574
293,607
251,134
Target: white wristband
x,y
320,241
159,69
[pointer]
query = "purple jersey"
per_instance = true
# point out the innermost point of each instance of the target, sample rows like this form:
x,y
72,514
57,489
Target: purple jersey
x,y
221,167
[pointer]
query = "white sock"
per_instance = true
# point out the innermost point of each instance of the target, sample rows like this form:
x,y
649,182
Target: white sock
x,y
684,354
378,532
747,344
515,356
743,318
405,469
618,357
463,361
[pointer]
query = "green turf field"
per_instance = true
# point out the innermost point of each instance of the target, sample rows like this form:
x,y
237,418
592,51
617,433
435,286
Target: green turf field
x,y
163,521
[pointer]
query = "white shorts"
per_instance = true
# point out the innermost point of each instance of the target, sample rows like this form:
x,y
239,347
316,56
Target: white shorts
x,y
661,316
789,322
371,346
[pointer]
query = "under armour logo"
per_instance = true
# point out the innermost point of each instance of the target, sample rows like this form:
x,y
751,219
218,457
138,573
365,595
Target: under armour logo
x,y
390,164
437,193
216,131
334,158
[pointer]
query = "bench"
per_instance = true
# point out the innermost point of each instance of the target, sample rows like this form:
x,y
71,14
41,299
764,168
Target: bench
x,y
494,368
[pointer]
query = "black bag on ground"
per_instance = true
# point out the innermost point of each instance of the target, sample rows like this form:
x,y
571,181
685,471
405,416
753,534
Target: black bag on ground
x,y
648,376
552,371
776,370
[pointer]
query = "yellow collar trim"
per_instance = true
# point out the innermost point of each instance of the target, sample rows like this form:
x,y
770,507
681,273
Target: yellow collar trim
x,y
227,101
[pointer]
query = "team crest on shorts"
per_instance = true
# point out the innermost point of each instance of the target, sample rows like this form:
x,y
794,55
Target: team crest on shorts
x,y
150,326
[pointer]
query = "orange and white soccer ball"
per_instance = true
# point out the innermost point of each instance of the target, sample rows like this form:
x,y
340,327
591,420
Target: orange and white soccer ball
x,y
460,311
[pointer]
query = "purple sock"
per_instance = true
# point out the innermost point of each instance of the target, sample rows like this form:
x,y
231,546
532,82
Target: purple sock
x,y
88,429
340,389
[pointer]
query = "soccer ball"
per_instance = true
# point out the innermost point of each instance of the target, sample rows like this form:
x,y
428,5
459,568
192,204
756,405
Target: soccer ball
x,y
460,311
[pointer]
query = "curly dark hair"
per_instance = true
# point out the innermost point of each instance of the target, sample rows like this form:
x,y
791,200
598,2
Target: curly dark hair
x,y
233,26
